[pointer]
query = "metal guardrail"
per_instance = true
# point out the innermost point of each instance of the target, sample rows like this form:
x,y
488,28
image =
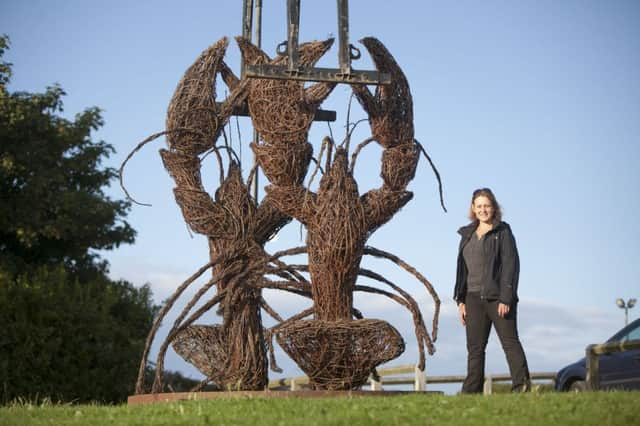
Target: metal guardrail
x,y
408,375
594,351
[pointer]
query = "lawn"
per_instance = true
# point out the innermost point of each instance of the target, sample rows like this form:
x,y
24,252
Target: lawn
x,y
601,408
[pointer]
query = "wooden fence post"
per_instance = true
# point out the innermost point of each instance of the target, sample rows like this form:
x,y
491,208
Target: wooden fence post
x,y
420,380
375,384
593,353
488,385
593,373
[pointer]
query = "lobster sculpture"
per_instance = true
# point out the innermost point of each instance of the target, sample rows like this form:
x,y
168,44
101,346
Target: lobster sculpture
x,y
334,349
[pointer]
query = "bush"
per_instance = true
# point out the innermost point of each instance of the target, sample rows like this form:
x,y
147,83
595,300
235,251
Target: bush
x,y
70,341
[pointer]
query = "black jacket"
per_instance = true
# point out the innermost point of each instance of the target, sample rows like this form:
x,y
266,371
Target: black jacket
x,y
500,281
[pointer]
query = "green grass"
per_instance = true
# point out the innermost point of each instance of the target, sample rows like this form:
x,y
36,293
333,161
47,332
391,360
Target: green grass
x,y
601,408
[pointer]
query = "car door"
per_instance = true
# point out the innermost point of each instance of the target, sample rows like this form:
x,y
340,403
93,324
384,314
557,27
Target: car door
x,y
621,370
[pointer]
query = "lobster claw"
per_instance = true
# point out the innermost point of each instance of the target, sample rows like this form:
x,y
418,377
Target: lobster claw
x,y
194,121
390,109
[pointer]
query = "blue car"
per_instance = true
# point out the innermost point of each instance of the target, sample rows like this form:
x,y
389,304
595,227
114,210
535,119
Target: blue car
x,y
620,370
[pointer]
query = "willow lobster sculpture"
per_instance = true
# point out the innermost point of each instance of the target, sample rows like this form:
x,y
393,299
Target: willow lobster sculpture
x,y
336,351
337,348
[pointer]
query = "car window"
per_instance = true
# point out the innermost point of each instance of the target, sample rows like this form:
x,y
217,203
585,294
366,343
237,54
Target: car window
x,y
632,331
630,335
633,334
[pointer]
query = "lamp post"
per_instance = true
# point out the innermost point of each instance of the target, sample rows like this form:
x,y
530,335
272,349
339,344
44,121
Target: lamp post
x,y
626,306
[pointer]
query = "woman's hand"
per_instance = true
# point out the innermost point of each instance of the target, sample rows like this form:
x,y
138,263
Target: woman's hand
x,y
503,310
462,311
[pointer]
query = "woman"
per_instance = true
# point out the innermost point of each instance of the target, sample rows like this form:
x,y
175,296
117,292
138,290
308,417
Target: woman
x,y
486,291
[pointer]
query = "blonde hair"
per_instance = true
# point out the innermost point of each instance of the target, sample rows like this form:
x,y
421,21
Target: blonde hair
x,y
486,192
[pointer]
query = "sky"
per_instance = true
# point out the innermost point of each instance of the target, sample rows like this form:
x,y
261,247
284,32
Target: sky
x,y
538,100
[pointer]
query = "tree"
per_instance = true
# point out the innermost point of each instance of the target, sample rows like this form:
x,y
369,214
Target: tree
x,y
67,331
52,205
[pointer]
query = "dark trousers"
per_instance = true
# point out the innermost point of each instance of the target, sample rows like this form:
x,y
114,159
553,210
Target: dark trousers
x,y
480,315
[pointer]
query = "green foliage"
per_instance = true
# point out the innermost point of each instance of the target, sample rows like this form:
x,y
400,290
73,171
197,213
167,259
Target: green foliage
x,y
67,332
545,409
5,67
53,208
70,341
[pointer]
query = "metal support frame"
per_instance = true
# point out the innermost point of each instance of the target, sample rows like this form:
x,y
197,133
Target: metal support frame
x,y
344,52
293,71
317,74
256,136
320,115
293,30
247,24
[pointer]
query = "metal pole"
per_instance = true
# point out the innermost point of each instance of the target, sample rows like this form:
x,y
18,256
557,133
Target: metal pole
x,y
626,316
293,22
258,23
256,136
344,56
247,19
